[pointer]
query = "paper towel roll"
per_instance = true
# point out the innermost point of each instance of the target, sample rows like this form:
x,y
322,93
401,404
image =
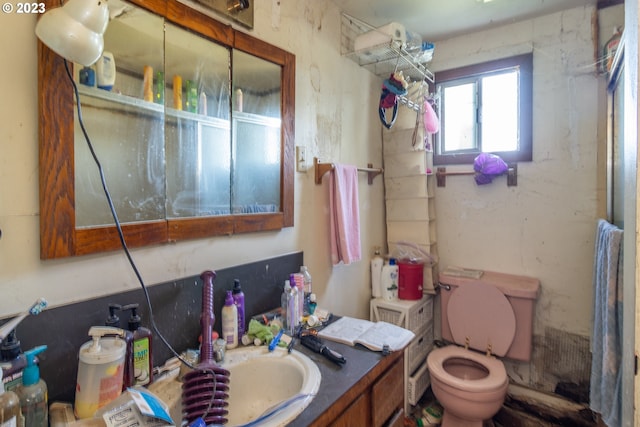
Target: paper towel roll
x,y
381,35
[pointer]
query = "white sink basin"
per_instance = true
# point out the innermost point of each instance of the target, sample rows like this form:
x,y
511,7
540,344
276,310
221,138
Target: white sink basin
x,y
260,380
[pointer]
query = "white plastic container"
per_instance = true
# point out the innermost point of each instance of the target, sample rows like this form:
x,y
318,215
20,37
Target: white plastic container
x,y
100,370
389,281
106,71
376,274
230,322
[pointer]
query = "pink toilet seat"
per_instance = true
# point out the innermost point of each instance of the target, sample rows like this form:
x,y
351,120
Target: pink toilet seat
x,y
496,378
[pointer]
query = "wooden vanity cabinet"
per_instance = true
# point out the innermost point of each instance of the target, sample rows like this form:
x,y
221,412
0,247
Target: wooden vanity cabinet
x,y
376,400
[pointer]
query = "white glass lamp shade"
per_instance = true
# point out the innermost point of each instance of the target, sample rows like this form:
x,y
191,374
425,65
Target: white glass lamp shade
x,y
74,31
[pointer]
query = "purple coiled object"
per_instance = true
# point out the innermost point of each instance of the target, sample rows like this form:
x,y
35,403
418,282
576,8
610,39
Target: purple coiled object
x,y
205,389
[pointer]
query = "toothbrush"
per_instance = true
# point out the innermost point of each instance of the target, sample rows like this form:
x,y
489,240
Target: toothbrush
x,y
35,309
274,342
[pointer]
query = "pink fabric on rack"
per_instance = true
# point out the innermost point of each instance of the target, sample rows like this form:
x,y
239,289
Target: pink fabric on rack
x,y
344,214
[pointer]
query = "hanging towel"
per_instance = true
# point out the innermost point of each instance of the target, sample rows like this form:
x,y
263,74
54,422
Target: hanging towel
x,y
344,214
606,343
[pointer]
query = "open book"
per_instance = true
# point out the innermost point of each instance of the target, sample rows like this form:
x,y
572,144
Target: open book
x,y
373,335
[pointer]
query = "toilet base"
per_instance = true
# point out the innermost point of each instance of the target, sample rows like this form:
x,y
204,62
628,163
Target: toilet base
x,y
450,420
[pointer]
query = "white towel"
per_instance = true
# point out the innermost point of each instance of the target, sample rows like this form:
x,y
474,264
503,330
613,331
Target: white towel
x,y
606,343
345,214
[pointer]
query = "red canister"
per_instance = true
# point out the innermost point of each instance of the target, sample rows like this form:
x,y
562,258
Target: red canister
x,y
410,275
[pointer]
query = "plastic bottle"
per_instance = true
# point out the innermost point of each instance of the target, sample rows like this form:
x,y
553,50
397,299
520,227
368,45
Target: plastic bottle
x,y
106,71
147,83
425,54
284,305
297,283
238,299
10,413
142,347
308,283
100,370
610,48
13,361
312,303
177,92
113,321
87,76
230,322
413,44
191,96
33,392
202,103
389,281
376,272
158,97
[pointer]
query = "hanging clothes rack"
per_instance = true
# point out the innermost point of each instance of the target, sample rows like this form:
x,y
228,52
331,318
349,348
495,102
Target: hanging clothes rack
x,y
322,168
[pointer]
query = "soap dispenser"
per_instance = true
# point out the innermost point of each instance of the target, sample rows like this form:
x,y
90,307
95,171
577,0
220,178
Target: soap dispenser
x,y
142,342
100,370
33,392
113,321
12,361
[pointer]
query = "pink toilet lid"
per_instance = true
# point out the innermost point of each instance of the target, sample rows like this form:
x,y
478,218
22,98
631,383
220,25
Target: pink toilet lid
x,y
481,313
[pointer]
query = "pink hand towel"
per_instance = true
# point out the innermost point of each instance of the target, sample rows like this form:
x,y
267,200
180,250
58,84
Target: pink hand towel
x,y
344,214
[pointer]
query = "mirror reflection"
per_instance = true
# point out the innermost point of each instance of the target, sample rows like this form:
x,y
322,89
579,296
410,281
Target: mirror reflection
x,y
173,141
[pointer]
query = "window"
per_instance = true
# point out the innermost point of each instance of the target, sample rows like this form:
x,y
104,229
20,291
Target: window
x,y
485,108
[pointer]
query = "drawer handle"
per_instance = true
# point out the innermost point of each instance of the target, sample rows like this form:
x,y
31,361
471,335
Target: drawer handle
x,y
421,310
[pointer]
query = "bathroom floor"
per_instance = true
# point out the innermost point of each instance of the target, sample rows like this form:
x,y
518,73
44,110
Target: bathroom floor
x,y
550,411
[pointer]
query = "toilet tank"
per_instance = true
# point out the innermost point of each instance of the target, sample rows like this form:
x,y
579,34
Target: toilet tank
x,y
521,292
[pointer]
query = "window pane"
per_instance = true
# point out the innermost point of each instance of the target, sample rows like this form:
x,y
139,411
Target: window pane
x,y
459,117
500,112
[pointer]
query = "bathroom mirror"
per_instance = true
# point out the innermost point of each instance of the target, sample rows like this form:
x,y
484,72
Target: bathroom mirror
x,y
177,166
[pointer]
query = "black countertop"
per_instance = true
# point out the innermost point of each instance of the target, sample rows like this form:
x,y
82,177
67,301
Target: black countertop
x,y
336,379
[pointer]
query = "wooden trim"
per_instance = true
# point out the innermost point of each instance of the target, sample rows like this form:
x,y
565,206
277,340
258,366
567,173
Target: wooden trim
x,y
59,236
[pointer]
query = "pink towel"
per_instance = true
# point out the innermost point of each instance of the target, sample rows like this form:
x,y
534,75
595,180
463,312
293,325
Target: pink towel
x,y
345,214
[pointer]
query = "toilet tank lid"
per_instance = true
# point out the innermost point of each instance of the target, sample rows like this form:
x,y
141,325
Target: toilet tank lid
x,y
510,284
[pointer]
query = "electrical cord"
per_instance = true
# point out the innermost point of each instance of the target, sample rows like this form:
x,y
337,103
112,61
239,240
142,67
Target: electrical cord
x,y
115,216
126,248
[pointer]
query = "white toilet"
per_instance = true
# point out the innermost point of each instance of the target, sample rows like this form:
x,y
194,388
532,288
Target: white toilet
x,y
488,317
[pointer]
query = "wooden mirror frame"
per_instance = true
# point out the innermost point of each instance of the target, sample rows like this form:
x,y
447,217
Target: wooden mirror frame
x,y
59,236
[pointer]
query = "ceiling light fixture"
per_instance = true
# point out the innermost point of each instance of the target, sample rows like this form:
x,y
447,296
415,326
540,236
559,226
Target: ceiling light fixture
x,y
75,30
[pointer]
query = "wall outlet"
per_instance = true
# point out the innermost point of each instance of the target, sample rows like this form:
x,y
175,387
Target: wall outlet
x,y
301,158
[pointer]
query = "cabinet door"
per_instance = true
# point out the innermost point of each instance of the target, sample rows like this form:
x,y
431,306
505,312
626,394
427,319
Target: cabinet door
x,y
357,414
387,394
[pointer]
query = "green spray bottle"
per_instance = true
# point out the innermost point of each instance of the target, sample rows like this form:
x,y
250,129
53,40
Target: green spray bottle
x,y
33,392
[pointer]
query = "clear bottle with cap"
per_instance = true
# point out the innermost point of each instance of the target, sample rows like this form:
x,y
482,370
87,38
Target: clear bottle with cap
x,y
308,283
230,322
142,347
10,412
33,392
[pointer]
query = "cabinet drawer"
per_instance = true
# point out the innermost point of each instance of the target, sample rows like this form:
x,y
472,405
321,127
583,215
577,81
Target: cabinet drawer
x,y
387,394
419,348
412,315
356,414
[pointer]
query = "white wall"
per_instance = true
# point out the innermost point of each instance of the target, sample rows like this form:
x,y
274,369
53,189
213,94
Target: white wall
x,y
545,226
335,120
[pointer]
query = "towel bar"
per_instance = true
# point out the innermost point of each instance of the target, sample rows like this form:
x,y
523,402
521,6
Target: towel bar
x,y
512,175
322,168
